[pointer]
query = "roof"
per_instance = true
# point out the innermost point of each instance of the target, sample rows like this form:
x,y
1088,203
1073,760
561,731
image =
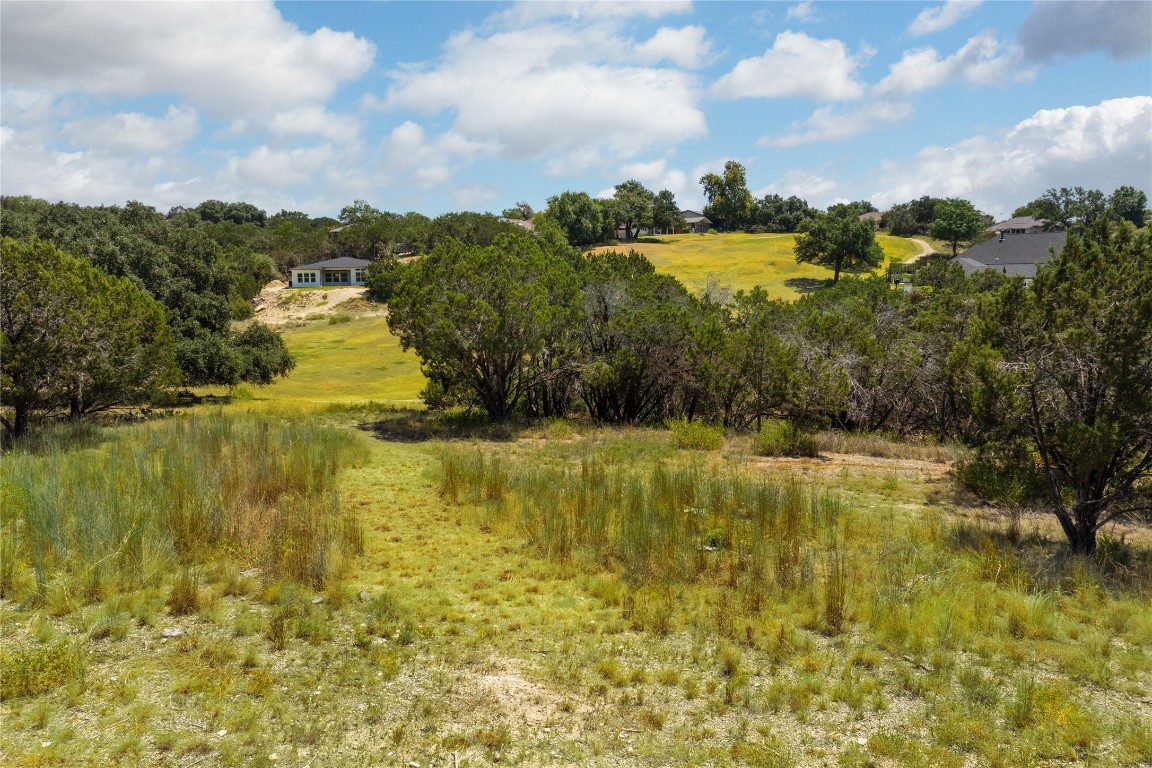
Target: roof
x,y
1020,222
344,262
1019,254
872,216
694,217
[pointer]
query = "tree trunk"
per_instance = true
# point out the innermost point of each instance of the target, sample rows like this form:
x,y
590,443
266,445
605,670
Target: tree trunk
x,y
1082,539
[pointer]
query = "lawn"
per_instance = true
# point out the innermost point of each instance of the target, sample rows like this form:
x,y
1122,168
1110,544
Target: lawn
x,y
358,360
740,261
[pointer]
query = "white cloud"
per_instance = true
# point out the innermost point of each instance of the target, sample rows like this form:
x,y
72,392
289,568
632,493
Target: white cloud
x,y
686,47
812,186
585,11
1120,30
550,90
430,159
228,59
832,123
314,121
941,17
656,175
135,133
980,61
796,65
265,167
1102,146
801,12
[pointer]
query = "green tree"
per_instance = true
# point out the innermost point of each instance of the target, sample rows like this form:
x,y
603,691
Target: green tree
x,y
956,220
666,215
479,316
1128,204
72,336
729,200
1079,344
634,203
577,215
840,242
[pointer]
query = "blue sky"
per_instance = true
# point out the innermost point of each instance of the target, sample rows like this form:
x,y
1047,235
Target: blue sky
x,y
447,106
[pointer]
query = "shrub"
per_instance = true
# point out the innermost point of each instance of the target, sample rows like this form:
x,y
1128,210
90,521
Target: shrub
x,y
696,435
32,671
1003,473
783,438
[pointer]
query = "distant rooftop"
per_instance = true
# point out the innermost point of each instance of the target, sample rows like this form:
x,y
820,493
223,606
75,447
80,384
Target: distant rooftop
x,y
1020,254
344,262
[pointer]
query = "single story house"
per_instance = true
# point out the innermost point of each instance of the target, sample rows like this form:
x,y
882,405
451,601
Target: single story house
x,y
874,216
1018,254
697,222
333,273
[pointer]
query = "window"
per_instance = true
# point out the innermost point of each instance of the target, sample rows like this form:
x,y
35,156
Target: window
x,y
359,278
305,277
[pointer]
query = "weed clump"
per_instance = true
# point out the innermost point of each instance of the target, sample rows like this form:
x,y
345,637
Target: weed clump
x,y
696,435
783,438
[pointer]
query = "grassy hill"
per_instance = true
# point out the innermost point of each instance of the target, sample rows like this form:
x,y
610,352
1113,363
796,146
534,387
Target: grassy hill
x,y
740,261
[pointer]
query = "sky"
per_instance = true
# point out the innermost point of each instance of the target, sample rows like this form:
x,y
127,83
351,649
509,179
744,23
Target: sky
x,y
449,106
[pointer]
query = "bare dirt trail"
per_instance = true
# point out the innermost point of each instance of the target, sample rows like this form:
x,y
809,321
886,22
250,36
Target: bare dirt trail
x,y
925,249
278,304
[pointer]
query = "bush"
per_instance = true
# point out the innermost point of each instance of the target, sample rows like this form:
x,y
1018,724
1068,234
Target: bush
x,y
1003,473
783,438
696,435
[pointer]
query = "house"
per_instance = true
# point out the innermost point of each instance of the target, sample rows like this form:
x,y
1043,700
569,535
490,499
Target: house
x,y
875,217
344,271
1013,254
697,222
1021,225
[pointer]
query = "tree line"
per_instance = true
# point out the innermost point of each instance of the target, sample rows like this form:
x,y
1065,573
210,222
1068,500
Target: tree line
x,y
1059,371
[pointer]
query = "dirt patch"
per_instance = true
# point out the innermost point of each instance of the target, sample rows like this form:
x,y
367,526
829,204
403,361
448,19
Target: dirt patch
x,y
279,304
834,463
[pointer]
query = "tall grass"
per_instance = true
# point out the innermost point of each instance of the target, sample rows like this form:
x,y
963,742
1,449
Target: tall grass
x,y
664,524
174,494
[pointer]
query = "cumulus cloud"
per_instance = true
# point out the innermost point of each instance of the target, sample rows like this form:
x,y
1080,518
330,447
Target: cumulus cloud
x,y
803,13
941,17
812,186
833,123
227,59
656,175
431,160
796,65
980,61
267,167
687,47
1120,30
1105,146
314,121
550,90
136,133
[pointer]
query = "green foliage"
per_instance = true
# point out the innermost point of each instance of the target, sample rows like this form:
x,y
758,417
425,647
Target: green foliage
x,y
73,337
913,217
1007,474
382,277
634,205
840,242
783,438
1128,204
512,297
32,671
263,354
577,215
776,214
1079,345
956,220
696,435
729,200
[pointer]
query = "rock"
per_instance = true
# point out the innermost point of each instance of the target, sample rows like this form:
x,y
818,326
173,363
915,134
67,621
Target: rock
x,y
172,632
317,600
364,596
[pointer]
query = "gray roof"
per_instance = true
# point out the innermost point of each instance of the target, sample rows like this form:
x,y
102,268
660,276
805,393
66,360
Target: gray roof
x,y
693,217
1014,254
344,262
872,216
1020,222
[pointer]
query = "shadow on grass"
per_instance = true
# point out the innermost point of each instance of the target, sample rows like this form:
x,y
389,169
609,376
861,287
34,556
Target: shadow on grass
x,y
807,284
421,426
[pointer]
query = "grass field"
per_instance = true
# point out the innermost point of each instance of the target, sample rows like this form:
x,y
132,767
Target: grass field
x,y
739,261
345,362
330,582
